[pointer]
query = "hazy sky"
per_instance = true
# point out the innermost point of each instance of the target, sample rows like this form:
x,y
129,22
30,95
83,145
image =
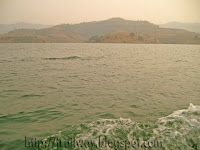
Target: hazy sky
x,y
75,11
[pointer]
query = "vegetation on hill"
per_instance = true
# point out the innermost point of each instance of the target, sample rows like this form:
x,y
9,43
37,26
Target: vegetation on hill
x,y
123,37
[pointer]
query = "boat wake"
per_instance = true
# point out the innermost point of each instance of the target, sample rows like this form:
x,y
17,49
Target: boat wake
x,y
180,130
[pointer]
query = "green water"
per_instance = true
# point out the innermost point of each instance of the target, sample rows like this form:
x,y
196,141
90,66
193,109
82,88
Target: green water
x,y
47,88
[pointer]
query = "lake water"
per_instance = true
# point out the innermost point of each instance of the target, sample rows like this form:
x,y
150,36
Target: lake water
x,y
46,88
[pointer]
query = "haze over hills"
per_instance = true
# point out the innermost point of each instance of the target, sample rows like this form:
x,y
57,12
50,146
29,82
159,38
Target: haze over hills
x,y
115,30
193,27
5,28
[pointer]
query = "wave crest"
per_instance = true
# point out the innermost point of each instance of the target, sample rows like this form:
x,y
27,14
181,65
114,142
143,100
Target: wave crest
x,y
63,58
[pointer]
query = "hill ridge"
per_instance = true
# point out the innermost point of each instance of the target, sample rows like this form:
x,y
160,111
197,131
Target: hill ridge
x,y
83,32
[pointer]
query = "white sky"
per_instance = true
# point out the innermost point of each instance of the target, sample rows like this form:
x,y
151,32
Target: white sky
x,y
76,11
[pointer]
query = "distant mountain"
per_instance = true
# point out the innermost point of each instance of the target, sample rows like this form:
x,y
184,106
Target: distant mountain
x,y
193,27
5,28
115,30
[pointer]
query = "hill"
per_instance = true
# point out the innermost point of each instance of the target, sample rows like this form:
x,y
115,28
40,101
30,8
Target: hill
x,y
56,34
193,27
5,28
106,29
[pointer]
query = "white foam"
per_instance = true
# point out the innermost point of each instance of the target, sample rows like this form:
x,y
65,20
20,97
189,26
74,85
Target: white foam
x,y
174,130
